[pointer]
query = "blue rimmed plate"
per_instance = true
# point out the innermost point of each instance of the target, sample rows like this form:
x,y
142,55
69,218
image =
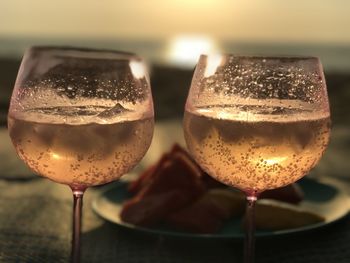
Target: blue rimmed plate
x,y
326,200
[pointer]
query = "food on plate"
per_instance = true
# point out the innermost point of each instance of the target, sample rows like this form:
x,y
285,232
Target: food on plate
x,y
177,192
276,215
171,184
207,214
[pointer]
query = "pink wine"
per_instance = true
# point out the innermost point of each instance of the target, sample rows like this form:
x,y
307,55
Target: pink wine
x,y
79,154
264,152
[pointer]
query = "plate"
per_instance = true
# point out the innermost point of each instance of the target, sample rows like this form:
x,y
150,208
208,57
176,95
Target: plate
x,y
326,200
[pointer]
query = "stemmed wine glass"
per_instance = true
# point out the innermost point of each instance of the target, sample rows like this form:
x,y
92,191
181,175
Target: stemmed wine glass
x,y
257,123
81,117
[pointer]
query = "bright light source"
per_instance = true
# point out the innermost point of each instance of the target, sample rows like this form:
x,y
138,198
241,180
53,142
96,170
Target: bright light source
x,y
185,50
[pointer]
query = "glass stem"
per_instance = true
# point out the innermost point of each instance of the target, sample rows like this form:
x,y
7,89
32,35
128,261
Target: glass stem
x,y
77,212
249,244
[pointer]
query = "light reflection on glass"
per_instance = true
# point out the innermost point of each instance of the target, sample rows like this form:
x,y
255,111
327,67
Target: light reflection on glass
x,y
213,62
275,160
137,69
56,156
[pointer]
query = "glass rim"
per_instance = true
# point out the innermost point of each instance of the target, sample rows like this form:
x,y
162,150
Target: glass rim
x,y
258,57
84,52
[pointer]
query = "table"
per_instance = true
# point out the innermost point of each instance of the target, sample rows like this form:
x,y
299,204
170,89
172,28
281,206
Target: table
x,y
35,226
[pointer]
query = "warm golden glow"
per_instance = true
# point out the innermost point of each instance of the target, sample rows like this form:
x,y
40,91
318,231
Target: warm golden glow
x,y
309,21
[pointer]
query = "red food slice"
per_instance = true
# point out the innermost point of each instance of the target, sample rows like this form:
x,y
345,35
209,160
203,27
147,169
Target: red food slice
x,y
147,211
207,214
198,218
173,183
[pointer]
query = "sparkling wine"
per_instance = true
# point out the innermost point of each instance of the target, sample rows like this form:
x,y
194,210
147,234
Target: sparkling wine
x,y
92,151
256,149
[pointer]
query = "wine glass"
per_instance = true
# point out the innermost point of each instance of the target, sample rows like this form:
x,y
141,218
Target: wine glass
x,y
257,123
81,117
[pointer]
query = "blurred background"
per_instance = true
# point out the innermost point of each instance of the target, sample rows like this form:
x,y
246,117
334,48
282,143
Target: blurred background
x,y
170,35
